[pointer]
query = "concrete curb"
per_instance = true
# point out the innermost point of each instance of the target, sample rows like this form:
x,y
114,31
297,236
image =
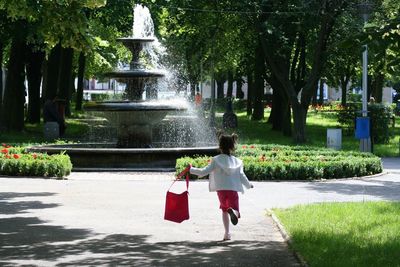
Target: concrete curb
x,y
286,237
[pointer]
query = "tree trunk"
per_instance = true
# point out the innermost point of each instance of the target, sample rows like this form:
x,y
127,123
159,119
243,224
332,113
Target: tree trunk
x,y
52,73
72,91
321,92
220,88
64,78
81,73
34,77
258,113
377,87
343,86
192,88
239,91
1,81
250,92
299,120
280,116
315,97
229,91
14,93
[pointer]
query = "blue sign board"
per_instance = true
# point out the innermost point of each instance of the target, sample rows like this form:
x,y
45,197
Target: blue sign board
x,y
362,127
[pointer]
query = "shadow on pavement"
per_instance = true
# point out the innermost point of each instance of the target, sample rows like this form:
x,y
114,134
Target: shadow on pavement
x,y
386,190
30,241
132,250
18,207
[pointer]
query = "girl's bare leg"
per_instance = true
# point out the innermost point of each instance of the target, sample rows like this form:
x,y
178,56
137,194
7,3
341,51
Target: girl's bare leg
x,y
226,221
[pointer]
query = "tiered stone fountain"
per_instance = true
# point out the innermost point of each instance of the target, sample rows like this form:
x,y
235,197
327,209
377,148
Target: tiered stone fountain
x,y
134,118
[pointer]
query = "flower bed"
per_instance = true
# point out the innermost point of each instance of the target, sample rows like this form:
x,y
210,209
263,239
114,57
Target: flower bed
x,y
275,162
16,161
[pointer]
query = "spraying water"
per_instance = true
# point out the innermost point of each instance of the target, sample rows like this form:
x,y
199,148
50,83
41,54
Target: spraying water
x,y
143,26
182,127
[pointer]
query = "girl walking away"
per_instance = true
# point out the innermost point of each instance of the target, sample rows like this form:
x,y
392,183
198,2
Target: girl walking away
x,y
226,177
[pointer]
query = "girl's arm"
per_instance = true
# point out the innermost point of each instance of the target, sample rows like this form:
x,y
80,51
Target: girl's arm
x,y
244,180
203,171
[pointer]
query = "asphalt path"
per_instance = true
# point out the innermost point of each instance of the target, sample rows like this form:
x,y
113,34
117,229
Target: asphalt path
x,y
116,219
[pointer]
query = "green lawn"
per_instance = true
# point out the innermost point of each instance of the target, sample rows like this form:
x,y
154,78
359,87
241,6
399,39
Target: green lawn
x,y
256,132
259,132
345,234
33,133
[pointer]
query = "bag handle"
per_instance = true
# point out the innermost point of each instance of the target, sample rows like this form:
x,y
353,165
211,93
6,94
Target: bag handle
x,y
179,176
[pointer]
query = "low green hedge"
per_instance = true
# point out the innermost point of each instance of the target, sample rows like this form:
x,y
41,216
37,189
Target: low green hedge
x,y
16,161
274,162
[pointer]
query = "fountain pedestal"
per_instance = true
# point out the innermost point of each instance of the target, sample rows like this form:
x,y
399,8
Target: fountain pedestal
x,y
134,136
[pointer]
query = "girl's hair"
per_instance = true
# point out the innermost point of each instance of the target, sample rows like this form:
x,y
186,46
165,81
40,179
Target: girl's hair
x,y
227,143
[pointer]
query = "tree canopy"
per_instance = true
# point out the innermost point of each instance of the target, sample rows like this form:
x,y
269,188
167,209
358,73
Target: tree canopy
x,y
288,45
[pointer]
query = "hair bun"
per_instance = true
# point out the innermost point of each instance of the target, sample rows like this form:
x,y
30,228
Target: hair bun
x,y
234,137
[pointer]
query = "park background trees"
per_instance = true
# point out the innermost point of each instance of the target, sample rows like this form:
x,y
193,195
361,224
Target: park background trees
x,y
288,45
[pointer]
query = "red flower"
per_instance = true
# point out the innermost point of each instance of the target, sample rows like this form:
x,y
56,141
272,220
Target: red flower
x,y
4,150
252,146
8,156
209,160
16,156
244,146
34,156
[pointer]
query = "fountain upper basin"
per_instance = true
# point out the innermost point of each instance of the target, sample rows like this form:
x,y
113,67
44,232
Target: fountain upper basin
x,y
137,73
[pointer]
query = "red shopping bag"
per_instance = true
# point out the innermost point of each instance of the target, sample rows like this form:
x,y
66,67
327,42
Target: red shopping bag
x,y
177,205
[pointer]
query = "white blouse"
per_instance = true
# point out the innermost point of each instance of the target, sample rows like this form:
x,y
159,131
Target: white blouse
x,y
226,173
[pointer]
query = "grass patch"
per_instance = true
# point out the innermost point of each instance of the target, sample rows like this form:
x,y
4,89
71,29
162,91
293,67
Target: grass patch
x,y
250,132
345,234
33,133
259,132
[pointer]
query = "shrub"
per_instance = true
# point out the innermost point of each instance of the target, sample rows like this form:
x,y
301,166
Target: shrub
x,y
347,116
16,161
380,116
276,162
381,121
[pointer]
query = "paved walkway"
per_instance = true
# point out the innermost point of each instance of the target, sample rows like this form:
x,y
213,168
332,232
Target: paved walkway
x,y
116,219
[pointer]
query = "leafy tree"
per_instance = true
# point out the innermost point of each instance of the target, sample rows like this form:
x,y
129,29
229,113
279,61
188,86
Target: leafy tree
x,y
344,54
306,31
40,22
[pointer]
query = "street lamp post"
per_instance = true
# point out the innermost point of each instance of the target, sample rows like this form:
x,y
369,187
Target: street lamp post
x,y
365,10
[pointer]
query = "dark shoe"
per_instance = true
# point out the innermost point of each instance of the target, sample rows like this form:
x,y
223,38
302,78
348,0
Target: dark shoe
x,y
232,214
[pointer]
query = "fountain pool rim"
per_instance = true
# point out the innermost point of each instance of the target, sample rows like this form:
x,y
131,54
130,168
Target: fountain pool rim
x,y
85,157
133,106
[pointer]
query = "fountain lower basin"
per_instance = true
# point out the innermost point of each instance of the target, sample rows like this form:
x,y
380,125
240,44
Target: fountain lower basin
x,y
135,119
107,157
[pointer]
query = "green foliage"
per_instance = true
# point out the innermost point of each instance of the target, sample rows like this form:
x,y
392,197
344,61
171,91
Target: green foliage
x,y
354,97
346,117
344,234
380,120
276,162
16,161
48,20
